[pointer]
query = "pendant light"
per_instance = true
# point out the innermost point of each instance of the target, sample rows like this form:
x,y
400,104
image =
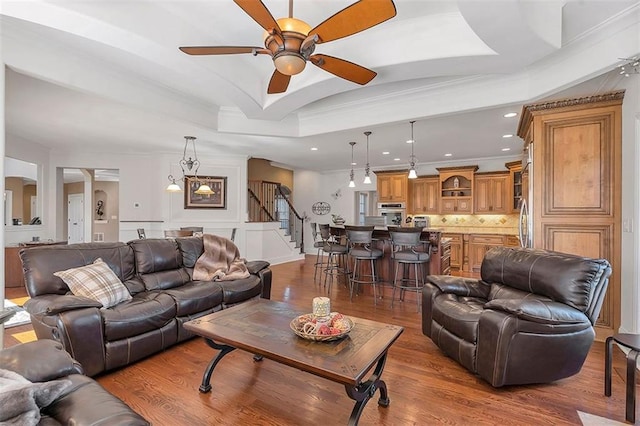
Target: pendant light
x,y
352,184
367,178
190,163
412,159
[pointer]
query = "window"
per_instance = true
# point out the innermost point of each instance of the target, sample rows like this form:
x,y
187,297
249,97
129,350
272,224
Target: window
x,y
363,206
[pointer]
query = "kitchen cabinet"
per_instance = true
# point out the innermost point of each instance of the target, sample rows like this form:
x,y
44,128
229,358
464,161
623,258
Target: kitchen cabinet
x,y
456,189
479,245
423,195
576,177
491,193
455,251
392,186
512,241
515,185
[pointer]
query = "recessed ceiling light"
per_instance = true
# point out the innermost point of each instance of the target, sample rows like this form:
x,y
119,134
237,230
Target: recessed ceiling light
x,y
506,149
396,159
448,155
510,114
410,141
354,163
314,149
385,152
507,136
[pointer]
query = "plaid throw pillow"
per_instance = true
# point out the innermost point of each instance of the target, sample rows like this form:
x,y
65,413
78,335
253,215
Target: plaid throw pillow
x,y
97,282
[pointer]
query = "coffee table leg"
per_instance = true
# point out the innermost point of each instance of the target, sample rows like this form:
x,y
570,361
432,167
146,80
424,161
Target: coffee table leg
x,y
365,391
206,379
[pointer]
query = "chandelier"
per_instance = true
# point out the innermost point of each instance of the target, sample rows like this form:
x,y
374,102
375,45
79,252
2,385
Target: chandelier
x,y
412,158
189,165
630,66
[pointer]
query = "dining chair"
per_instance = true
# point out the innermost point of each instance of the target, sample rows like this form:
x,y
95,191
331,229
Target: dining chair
x,y
172,233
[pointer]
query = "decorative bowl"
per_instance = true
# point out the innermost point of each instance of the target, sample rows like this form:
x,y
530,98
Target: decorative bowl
x,y
307,326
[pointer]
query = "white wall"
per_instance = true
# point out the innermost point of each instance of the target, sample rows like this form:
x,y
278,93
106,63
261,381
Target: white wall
x,y
630,281
22,149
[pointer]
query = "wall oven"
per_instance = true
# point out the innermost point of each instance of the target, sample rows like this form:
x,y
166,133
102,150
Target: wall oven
x,y
394,213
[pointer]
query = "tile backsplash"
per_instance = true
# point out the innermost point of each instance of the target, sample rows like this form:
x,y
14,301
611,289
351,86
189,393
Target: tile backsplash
x,y
507,223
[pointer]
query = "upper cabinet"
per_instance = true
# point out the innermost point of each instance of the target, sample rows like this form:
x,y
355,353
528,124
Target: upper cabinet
x,y
424,195
491,194
456,189
515,195
392,186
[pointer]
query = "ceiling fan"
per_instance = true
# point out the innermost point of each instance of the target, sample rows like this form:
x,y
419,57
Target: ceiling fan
x,y
290,42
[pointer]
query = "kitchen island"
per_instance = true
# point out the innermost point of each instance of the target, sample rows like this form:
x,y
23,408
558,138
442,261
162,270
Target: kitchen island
x,y
431,239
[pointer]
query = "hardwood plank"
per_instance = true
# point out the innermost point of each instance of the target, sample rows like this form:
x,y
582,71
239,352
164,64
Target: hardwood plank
x,y
425,387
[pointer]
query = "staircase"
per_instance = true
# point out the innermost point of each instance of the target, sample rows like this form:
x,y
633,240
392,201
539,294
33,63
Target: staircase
x,y
269,202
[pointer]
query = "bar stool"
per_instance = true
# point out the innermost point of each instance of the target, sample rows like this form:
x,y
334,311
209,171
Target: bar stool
x,y
632,342
336,256
404,251
359,240
317,245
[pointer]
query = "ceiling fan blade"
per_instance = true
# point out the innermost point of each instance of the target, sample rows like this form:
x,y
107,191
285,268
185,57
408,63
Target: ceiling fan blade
x,y
259,12
218,50
343,69
278,83
358,17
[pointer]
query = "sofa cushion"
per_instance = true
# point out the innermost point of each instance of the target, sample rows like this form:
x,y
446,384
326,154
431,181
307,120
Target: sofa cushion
x,y
39,264
195,297
146,311
97,282
159,263
240,290
191,249
459,315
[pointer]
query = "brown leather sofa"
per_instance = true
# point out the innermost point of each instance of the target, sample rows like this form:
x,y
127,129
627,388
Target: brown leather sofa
x,y
82,401
529,319
157,273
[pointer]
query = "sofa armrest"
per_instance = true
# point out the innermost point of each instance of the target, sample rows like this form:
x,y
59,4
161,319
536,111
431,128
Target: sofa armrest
x,y
265,276
53,304
539,311
255,266
39,361
460,286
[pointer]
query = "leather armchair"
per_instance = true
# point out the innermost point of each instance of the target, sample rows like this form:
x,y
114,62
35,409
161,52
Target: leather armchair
x,y
46,360
529,319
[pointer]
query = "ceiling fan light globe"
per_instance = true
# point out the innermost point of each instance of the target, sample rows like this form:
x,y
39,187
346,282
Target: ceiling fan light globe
x,y
413,174
294,25
289,63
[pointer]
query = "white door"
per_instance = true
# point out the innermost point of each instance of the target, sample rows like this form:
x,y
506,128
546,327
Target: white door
x,y
75,214
34,207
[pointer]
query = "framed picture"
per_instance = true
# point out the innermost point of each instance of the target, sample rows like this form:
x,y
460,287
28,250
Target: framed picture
x,y
217,200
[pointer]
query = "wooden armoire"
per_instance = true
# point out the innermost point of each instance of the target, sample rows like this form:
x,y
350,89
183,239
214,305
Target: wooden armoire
x,y
576,177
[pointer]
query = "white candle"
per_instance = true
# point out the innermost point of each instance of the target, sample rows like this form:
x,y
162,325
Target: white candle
x,y
321,306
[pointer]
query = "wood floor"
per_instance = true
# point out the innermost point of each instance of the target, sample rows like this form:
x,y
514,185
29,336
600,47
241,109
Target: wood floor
x,y
425,387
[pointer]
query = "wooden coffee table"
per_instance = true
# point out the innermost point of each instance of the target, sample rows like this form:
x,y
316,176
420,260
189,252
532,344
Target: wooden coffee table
x,y
262,328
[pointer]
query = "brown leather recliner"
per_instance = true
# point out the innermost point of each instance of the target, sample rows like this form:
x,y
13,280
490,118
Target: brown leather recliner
x,y
529,319
83,401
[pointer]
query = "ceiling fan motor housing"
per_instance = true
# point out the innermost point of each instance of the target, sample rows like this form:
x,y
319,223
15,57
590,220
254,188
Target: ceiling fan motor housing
x,y
286,46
